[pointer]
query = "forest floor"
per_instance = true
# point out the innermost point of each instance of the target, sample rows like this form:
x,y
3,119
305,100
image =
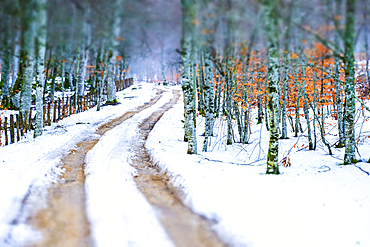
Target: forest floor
x,y
121,177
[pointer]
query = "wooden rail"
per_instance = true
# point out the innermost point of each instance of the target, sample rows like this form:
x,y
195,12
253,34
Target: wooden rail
x,y
18,125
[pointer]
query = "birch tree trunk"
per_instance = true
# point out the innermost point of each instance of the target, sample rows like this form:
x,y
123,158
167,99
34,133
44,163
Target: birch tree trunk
x,y
306,112
284,131
286,60
27,54
99,76
9,36
349,88
208,99
296,127
5,70
111,85
208,96
40,68
82,73
366,41
229,81
338,100
83,53
190,11
273,84
265,105
163,67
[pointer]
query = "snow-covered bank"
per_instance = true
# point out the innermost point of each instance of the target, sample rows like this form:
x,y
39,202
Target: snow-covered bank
x,y
32,165
119,214
314,202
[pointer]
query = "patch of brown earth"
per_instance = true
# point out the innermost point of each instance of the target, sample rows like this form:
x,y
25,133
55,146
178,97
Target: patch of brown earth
x,y
183,226
63,222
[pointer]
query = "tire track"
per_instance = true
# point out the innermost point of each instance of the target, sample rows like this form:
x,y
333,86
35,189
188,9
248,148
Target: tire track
x,y
183,226
63,222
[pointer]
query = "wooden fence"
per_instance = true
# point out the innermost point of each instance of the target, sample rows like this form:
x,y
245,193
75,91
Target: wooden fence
x,y
18,125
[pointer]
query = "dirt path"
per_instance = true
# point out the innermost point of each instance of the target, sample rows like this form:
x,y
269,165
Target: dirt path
x,y
63,222
183,226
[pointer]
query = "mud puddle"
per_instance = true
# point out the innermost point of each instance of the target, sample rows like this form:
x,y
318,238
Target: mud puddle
x,y
64,222
183,226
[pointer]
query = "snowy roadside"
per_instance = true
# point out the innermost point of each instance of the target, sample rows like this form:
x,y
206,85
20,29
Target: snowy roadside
x,y
32,165
119,214
314,202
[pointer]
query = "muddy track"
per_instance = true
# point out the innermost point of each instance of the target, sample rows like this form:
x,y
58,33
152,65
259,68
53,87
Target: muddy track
x,y
183,226
63,222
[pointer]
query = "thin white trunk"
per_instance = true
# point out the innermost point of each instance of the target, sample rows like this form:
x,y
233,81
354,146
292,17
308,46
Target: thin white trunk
x,y
40,68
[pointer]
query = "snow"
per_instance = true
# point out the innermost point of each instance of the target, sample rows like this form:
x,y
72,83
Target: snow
x,y
112,196
32,165
315,202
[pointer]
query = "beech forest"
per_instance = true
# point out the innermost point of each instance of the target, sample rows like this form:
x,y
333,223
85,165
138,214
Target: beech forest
x,y
294,65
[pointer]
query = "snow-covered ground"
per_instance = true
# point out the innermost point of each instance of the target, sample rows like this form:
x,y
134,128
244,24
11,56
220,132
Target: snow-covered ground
x,y
32,165
119,214
314,202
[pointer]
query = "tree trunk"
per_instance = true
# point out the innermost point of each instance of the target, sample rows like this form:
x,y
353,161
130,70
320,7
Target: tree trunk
x,y
111,86
190,12
229,81
306,112
349,89
208,98
40,68
5,70
99,76
273,85
27,55
286,60
82,72
338,100
284,131
163,68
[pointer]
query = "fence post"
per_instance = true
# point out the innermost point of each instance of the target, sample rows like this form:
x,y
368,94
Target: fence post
x,y
43,115
70,106
63,109
21,125
30,120
55,112
26,121
59,110
78,104
17,126
6,131
11,128
66,107
49,119
82,104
